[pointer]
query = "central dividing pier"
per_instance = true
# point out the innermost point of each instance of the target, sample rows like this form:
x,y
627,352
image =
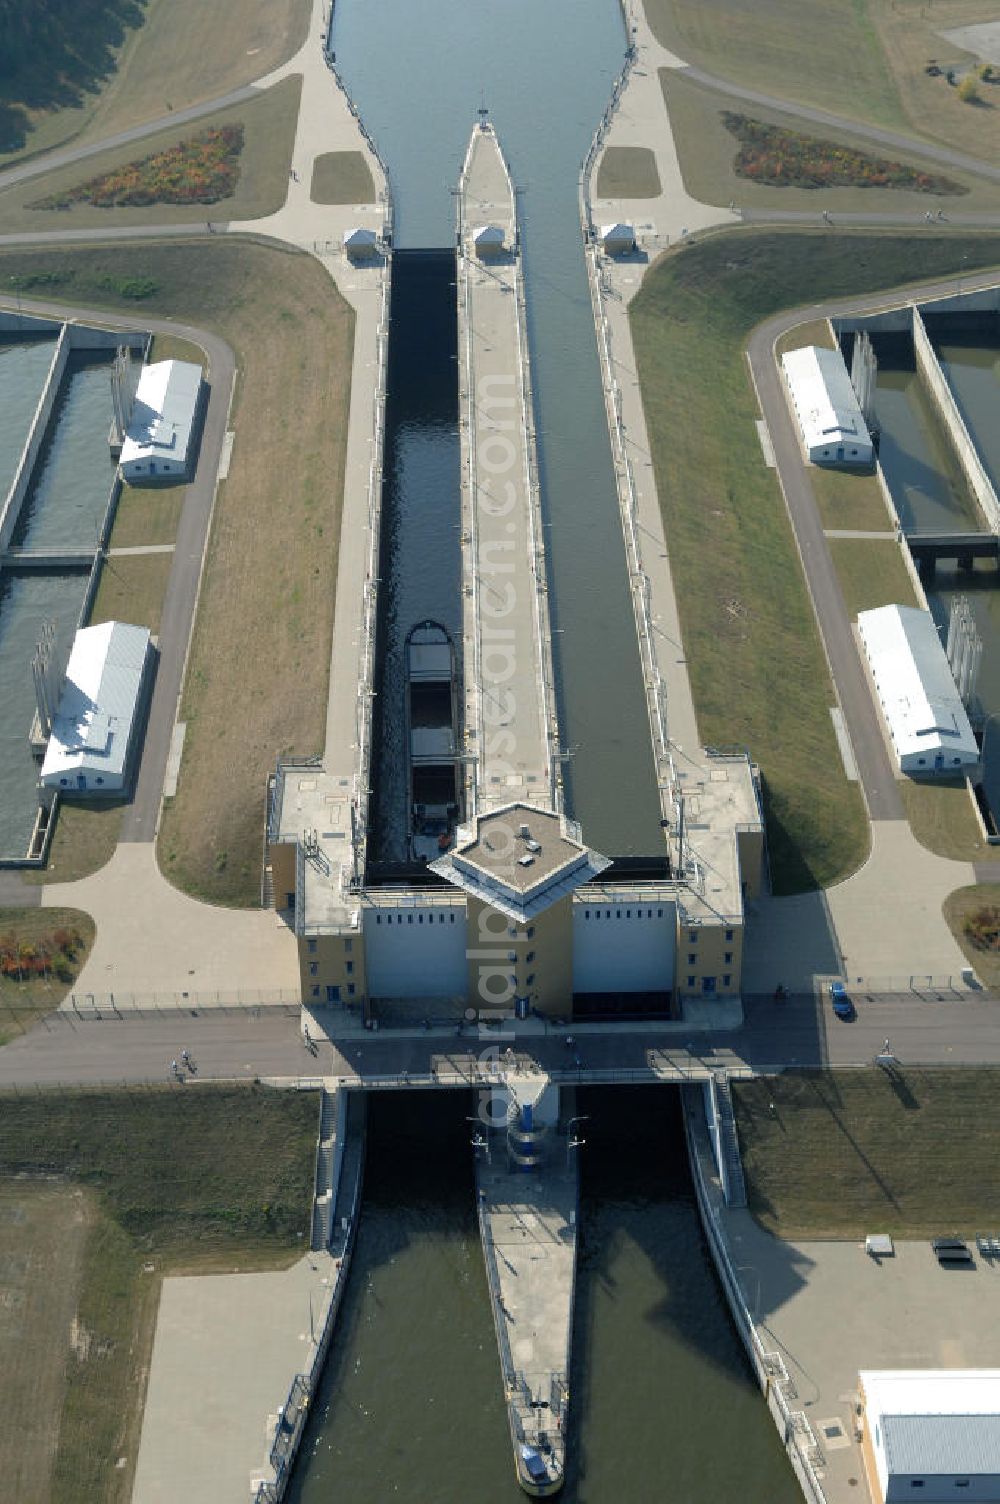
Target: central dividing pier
x,y
528,1193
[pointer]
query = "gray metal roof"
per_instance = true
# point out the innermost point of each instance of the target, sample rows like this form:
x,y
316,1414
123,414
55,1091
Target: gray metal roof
x,y
936,1444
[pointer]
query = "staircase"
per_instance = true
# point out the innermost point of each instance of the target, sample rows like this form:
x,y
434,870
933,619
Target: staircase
x,y
736,1190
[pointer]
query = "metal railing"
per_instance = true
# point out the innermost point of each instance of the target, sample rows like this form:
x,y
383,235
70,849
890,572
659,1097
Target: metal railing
x,y
111,1004
640,590
800,1442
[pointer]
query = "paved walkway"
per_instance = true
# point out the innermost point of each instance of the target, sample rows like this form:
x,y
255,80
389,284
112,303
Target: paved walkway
x,y
152,938
225,1352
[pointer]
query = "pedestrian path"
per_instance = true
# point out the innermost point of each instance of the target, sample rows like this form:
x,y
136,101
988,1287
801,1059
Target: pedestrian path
x,y
151,938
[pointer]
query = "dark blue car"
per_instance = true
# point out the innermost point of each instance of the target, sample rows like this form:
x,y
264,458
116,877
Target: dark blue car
x,y
840,999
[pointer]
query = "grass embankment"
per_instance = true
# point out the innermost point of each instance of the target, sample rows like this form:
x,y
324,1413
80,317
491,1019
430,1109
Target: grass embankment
x,y
178,1180
118,63
845,1153
628,172
260,657
709,156
961,906
53,945
341,177
757,671
261,186
781,47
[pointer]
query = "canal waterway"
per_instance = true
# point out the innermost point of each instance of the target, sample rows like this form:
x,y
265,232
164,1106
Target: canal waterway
x,y
68,495
968,348
920,466
411,1408
421,550
24,365
27,601
418,75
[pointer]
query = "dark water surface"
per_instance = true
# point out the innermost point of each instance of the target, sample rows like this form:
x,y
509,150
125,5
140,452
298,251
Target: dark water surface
x,y
411,1406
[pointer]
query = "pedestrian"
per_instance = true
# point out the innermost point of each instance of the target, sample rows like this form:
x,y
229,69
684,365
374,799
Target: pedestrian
x,y
185,1057
885,1047
173,1066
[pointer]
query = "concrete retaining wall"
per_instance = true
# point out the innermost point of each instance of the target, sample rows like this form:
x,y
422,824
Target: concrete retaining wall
x,y
929,369
768,1367
71,337
345,1186
33,442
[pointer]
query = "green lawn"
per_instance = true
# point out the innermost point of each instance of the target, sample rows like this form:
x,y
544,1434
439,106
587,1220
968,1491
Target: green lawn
x,y
132,589
871,573
342,177
269,125
182,1180
628,172
757,670
85,837
942,818
845,1153
147,515
258,669
850,500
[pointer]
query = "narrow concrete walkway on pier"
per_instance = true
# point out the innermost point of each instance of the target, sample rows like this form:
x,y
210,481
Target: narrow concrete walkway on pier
x,y
509,694
528,1222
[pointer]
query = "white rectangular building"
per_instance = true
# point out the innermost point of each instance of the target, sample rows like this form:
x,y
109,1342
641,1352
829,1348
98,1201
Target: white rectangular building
x,y
826,406
932,1434
159,442
95,729
924,715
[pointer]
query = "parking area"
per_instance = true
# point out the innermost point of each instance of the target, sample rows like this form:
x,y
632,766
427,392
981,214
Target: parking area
x,y
831,1309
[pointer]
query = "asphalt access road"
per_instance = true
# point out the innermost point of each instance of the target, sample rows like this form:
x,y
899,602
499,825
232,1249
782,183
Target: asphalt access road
x,y
929,1029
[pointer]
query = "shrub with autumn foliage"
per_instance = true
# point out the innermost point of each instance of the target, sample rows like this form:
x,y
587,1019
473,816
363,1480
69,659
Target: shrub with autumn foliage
x,y
48,955
200,171
982,928
786,159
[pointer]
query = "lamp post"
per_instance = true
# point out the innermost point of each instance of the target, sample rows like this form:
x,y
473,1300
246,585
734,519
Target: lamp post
x,y
571,1142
